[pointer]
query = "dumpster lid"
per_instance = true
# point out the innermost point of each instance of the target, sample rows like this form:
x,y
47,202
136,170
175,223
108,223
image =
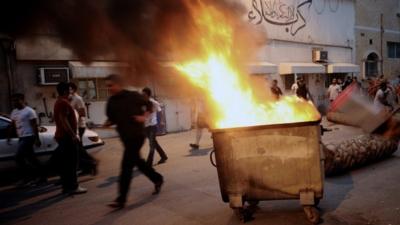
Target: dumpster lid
x,y
267,126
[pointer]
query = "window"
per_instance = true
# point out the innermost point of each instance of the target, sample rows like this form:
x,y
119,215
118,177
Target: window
x,y
371,65
93,89
393,49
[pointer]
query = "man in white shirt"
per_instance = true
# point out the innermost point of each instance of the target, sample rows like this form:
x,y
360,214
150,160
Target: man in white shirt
x,y
382,95
201,122
295,86
24,120
87,163
334,90
151,129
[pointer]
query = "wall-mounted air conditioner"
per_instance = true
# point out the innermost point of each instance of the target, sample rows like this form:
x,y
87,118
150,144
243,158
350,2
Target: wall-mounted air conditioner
x,y
319,56
52,75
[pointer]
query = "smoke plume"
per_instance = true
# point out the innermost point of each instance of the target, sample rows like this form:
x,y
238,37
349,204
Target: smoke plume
x,y
141,32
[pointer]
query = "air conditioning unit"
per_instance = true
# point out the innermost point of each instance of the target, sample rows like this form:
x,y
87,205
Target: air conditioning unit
x,y
52,75
320,56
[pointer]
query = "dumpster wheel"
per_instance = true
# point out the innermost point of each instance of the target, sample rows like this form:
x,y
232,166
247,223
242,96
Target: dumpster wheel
x,y
312,214
253,203
243,214
316,201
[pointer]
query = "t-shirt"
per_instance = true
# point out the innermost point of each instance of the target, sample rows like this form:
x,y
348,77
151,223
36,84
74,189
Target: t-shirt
x,y
276,91
120,111
22,119
334,91
294,88
152,119
381,98
78,103
302,91
64,111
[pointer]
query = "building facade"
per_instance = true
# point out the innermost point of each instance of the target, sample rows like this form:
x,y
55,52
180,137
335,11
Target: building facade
x,y
299,34
377,33
312,39
41,62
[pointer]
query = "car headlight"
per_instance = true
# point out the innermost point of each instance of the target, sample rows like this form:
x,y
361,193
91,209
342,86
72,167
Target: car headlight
x,y
94,138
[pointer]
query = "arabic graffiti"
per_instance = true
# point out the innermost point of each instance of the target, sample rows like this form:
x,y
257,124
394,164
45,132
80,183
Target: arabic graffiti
x,y
280,13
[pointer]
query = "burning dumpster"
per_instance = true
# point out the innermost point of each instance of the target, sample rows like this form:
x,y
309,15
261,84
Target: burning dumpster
x,y
270,162
264,148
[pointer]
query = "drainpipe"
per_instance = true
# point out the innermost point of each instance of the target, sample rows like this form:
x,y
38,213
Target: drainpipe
x,y
8,47
382,56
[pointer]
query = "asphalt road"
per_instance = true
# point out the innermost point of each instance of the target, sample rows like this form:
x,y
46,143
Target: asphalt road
x,y
370,195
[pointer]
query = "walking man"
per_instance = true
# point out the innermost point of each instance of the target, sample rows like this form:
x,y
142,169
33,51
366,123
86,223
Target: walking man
x,y
334,90
24,120
295,86
151,129
302,90
68,141
201,122
86,162
128,111
275,89
382,97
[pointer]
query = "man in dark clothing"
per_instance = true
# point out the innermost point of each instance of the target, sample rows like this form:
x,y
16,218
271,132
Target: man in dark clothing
x,y
128,110
347,82
68,141
302,90
276,91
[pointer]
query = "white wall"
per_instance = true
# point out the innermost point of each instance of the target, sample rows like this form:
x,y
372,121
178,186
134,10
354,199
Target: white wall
x,y
282,51
178,114
97,112
177,111
319,21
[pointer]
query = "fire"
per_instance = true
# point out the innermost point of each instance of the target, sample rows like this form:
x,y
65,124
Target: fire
x,y
230,97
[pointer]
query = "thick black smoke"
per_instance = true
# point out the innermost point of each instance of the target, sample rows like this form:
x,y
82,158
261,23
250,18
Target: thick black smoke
x,y
138,31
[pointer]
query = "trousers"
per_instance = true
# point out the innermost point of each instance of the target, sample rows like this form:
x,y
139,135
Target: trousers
x,y
151,132
131,158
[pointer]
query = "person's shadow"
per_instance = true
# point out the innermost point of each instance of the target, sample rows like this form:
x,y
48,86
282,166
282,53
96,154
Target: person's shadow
x,y
199,152
113,215
14,196
114,179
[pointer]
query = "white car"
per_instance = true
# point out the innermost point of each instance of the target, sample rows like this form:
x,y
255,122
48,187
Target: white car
x,y
91,142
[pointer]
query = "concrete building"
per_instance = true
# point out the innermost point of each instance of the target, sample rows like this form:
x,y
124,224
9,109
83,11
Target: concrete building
x,y
377,33
41,62
312,39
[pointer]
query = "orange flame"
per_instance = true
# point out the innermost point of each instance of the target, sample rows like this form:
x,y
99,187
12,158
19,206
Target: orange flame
x,y
232,100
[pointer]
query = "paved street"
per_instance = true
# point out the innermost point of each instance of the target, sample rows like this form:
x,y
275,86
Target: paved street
x,y
191,194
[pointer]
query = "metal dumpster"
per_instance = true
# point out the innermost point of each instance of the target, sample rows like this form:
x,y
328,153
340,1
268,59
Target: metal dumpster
x,y
270,162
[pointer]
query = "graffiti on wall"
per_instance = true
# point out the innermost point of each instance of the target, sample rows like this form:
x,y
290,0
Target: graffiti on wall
x,y
290,15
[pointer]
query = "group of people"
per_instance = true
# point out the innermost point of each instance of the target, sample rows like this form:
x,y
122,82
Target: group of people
x,y
383,93
135,116
24,121
133,113
299,88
